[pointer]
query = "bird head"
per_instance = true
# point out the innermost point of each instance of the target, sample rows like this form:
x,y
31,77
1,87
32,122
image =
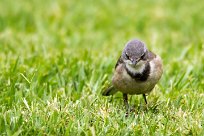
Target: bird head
x,y
134,53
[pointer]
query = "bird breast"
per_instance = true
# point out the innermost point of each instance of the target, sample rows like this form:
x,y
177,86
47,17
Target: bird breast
x,y
126,84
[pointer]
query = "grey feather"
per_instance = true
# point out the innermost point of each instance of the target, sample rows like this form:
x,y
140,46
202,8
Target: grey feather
x,y
110,91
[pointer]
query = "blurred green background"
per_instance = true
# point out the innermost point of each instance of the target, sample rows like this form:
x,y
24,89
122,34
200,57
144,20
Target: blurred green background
x,y
57,56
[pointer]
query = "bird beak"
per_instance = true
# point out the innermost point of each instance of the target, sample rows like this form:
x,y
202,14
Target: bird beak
x,y
134,62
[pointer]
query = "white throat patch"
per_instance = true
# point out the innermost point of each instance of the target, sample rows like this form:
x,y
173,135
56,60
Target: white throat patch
x,y
138,69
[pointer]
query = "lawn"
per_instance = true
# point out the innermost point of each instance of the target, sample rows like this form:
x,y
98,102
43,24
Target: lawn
x,y
57,56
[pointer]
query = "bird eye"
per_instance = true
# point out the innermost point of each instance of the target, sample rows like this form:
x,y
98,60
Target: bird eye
x,y
127,56
143,55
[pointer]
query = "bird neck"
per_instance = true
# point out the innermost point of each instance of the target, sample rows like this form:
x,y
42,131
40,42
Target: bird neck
x,y
137,69
140,73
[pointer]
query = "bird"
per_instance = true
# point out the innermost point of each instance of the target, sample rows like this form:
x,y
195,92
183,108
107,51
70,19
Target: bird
x,y
137,71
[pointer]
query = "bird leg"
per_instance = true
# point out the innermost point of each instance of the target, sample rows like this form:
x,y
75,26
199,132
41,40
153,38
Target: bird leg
x,y
125,98
144,96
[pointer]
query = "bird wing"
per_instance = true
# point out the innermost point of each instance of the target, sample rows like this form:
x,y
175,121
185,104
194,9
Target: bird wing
x,y
120,61
151,56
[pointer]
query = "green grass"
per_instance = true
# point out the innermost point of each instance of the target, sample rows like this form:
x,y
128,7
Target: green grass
x,y
57,56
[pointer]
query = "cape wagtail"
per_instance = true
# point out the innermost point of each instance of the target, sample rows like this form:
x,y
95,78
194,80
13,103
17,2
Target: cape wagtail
x,y
137,71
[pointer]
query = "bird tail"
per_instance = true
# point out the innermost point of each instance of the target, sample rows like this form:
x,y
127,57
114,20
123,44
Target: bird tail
x,y
110,91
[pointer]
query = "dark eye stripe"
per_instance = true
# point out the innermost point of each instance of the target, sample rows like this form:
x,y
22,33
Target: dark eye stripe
x,y
127,56
143,55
